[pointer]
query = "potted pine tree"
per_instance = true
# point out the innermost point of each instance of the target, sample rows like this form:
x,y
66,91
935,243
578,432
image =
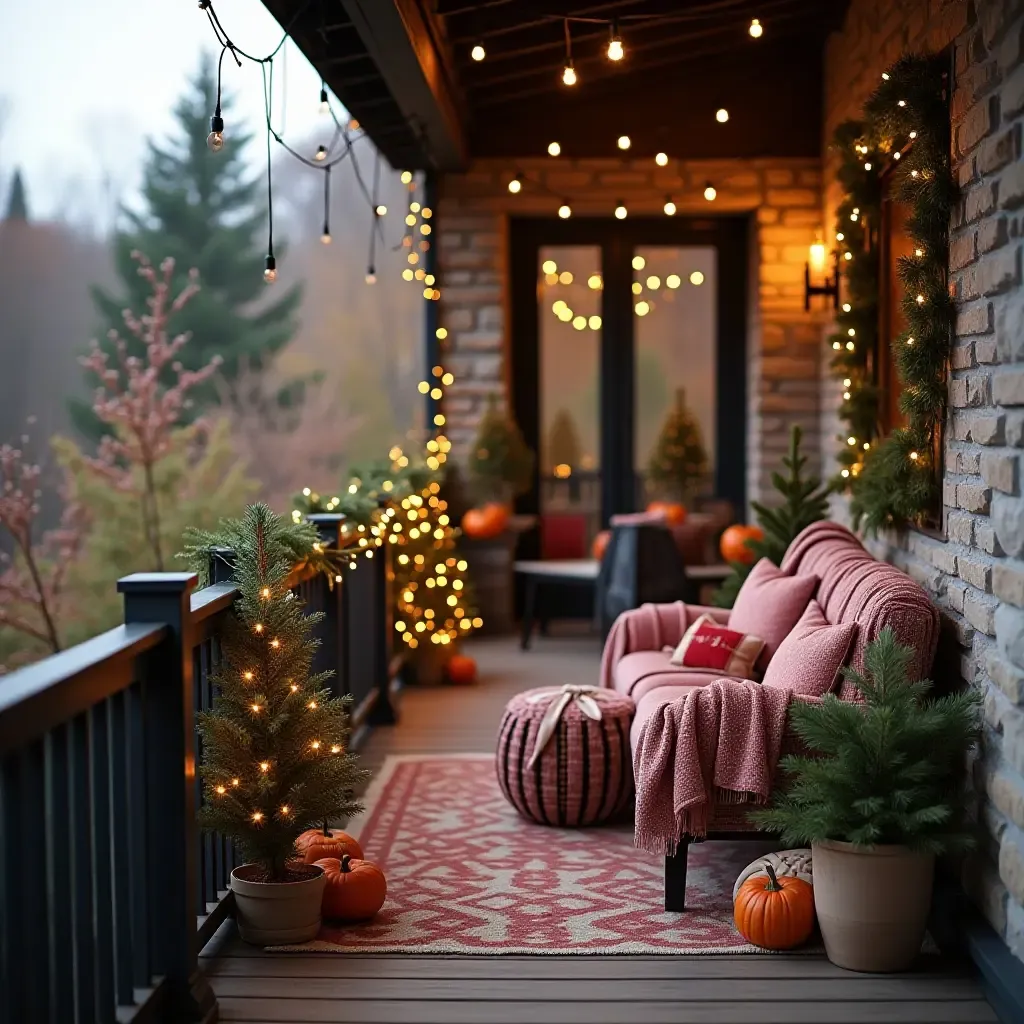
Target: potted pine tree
x,y
881,794
275,743
678,465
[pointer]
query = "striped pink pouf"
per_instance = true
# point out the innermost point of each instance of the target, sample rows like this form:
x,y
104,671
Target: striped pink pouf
x,y
583,774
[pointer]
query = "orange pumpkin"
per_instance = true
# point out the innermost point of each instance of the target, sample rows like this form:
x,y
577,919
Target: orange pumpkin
x,y
486,522
326,842
733,544
461,669
355,889
600,545
672,512
773,912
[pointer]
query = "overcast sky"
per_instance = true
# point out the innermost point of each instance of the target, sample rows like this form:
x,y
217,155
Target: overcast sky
x,y
83,83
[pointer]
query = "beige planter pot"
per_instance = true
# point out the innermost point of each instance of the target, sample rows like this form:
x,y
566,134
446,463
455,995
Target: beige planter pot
x,y
872,904
272,913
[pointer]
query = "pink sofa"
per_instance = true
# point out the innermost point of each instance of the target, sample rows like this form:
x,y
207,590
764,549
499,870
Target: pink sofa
x,y
854,587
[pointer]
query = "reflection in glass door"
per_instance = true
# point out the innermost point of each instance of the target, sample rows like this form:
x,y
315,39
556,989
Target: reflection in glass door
x,y
569,307
675,330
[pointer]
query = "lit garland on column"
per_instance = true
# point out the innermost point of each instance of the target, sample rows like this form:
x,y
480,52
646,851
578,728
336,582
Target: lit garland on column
x,y
896,482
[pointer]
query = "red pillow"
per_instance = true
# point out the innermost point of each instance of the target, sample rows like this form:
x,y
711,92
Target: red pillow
x,y
809,659
770,604
710,645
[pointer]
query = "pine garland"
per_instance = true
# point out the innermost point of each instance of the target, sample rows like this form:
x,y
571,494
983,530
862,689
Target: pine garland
x,y
895,483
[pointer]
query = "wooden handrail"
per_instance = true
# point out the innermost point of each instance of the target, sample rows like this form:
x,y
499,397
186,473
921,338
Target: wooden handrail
x,y
36,699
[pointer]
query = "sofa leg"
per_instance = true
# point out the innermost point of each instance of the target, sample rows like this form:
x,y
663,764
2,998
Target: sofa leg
x,y
675,877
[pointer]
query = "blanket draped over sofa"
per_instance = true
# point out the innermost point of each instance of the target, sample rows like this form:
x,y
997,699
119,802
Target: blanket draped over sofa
x,y
718,744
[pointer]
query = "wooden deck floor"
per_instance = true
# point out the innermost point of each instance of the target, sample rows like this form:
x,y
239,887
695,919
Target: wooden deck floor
x,y
260,988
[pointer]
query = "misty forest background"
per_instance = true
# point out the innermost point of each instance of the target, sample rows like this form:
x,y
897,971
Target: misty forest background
x,y
318,371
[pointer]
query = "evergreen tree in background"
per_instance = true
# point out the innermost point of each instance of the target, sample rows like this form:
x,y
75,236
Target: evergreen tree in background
x,y
678,463
17,204
805,501
563,441
500,463
205,211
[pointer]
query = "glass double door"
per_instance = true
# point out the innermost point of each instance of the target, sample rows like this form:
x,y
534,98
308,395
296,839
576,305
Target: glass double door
x,y
627,368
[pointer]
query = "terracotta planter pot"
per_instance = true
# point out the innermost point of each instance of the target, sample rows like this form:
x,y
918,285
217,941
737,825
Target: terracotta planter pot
x,y
872,904
272,913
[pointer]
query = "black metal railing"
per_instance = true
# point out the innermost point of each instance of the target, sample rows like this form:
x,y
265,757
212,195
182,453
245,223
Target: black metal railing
x,y
109,890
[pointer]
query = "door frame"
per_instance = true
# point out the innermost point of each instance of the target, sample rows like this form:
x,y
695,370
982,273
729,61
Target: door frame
x,y
617,240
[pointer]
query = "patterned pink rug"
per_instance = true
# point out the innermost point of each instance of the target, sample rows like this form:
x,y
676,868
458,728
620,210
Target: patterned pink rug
x,y
466,874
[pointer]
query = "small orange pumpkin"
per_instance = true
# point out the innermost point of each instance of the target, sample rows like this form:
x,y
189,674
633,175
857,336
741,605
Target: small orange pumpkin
x,y
672,512
461,669
485,522
733,544
600,545
773,912
355,889
326,842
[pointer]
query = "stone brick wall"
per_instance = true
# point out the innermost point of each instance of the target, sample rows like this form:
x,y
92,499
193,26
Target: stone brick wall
x,y
975,575
784,198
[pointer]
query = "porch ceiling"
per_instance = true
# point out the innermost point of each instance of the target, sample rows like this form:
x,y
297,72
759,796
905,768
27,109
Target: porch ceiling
x,y
403,68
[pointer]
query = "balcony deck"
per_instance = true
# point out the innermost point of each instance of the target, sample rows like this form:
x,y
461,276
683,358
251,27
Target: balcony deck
x,y
259,988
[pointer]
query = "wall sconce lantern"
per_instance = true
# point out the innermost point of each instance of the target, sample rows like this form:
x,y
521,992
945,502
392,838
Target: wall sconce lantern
x,y
816,263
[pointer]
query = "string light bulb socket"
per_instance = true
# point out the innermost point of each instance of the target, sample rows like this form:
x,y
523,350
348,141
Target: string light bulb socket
x,y
270,269
756,29
321,154
569,74
325,106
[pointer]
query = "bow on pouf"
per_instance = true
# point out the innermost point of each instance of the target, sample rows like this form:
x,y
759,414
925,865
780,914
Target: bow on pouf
x,y
583,696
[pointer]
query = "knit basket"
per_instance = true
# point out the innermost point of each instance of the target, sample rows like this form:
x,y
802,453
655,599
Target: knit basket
x,y
584,773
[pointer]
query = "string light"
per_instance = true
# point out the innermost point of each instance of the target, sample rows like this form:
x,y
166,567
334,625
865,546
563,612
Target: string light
x,y
616,51
670,207
264,766
321,154
621,211
709,192
914,456
721,115
756,30
257,816
478,52
624,142
236,782
270,269
569,75
554,149
661,159
565,211
315,744
568,71
515,185
221,790
325,106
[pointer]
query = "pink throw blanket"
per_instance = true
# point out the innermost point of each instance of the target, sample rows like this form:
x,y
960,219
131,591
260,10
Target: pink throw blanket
x,y
719,743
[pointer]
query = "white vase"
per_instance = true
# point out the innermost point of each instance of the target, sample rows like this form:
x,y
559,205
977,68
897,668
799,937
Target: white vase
x,y
872,903
274,913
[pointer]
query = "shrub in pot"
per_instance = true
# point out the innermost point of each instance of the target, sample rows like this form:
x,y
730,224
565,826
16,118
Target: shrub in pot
x,y
275,743
881,794
500,463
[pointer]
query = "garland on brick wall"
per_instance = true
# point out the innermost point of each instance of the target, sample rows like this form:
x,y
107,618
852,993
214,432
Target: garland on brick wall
x,y
894,481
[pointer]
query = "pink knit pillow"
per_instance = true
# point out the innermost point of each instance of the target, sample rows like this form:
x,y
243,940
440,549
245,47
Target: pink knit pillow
x,y
809,659
769,605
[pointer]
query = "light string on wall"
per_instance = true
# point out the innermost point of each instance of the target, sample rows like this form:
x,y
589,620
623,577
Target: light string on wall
x,y
895,483
324,159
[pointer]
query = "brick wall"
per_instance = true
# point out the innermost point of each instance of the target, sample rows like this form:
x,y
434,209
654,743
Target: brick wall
x,y
976,575
784,198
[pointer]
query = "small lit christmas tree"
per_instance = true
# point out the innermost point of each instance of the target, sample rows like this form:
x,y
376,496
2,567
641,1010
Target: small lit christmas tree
x,y
564,448
678,464
275,744
805,501
500,463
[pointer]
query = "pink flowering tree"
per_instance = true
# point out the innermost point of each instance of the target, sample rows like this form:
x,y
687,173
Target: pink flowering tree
x,y
32,580
135,402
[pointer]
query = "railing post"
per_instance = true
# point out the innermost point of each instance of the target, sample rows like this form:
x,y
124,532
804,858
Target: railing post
x,y
383,711
170,804
332,653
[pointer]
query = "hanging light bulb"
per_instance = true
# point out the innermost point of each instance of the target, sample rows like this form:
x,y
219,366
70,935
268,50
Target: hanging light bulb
x,y
478,52
326,236
661,159
565,211
406,177
709,192
615,48
569,74
620,210
554,149
624,142
321,154
215,140
270,269
325,106
371,275
381,210
516,184
721,115
669,207
756,29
